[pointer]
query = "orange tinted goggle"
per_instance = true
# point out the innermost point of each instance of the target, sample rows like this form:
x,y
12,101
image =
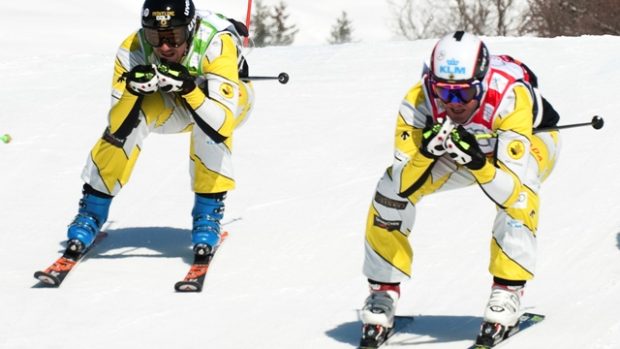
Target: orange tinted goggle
x,y
174,37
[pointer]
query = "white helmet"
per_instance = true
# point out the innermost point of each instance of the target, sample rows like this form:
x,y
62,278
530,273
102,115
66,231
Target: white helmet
x,y
459,57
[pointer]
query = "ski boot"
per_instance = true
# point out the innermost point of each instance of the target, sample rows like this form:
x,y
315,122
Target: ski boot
x,y
501,316
378,314
207,213
92,214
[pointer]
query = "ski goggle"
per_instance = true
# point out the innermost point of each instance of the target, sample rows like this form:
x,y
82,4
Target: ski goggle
x,y
174,37
456,93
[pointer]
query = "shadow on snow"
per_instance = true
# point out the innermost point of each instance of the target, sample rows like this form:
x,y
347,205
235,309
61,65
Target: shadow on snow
x,y
424,329
152,242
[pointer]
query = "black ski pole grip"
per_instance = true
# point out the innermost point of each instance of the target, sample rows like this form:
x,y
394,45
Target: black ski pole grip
x,y
597,123
282,78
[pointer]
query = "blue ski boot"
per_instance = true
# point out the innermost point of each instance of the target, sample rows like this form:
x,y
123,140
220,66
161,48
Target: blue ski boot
x,y
207,213
93,212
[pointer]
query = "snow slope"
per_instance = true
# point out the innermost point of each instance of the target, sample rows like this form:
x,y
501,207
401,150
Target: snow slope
x,y
307,162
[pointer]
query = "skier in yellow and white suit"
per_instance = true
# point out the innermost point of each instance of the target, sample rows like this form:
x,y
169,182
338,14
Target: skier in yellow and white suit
x,y
178,73
471,120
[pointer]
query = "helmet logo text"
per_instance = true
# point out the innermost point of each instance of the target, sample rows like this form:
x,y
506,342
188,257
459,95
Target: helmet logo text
x,y
453,71
163,17
452,68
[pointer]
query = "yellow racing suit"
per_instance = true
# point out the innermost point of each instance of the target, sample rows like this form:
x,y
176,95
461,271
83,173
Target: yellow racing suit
x,y
210,112
518,161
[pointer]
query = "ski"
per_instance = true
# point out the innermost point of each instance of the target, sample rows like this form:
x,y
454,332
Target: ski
x,y
374,336
493,334
56,273
195,278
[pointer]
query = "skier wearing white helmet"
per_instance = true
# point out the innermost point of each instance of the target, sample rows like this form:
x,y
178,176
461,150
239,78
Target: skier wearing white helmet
x,y
472,119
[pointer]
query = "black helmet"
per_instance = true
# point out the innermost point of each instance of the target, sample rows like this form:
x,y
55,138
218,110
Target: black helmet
x,y
168,14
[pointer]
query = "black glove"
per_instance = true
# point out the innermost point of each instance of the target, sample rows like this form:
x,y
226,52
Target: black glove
x,y
434,137
174,77
141,80
464,149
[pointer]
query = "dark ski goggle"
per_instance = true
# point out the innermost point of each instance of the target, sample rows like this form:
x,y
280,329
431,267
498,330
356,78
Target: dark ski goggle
x,y
457,93
174,37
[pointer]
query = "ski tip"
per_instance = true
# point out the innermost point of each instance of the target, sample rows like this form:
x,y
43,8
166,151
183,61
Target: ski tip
x,y
484,341
187,286
47,279
528,319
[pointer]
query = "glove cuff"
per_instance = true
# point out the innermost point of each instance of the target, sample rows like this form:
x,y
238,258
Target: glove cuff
x,y
485,173
188,87
427,154
478,161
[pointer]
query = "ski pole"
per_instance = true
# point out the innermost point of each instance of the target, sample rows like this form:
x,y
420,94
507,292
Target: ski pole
x,y
248,18
282,78
597,123
6,138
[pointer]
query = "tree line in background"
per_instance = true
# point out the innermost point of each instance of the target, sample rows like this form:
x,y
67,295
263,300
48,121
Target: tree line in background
x,y
419,19
270,27
422,19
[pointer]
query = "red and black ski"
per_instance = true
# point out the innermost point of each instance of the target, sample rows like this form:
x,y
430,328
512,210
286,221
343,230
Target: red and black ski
x,y
55,274
195,278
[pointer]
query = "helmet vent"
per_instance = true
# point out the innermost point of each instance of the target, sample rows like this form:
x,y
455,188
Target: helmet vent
x,y
458,35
